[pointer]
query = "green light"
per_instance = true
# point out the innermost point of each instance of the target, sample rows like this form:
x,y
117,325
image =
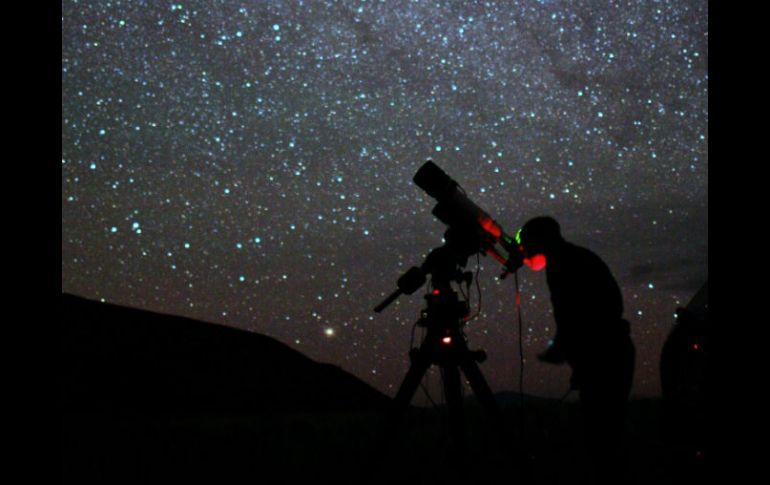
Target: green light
x,y
518,236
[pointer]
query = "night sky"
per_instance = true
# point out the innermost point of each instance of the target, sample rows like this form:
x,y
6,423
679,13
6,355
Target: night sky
x,y
250,163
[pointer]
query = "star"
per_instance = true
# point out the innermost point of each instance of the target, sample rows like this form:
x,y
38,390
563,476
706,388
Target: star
x,y
262,158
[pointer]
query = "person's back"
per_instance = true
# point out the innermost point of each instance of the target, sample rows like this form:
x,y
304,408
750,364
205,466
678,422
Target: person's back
x,y
582,286
587,307
591,336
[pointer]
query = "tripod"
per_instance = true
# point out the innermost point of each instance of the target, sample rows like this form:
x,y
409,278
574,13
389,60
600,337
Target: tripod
x,y
445,346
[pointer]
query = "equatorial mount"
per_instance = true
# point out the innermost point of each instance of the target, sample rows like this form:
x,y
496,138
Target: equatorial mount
x,y
444,344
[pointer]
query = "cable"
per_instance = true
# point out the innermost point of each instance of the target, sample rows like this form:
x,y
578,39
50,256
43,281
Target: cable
x,y
427,394
411,340
466,296
478,285
521,347
478,290
422,382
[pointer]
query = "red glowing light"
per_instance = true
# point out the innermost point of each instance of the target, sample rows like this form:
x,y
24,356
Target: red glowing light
x,y
436,292
695,346
536,262
447,340
490,226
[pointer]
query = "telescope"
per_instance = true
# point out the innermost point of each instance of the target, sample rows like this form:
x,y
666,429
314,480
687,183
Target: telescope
x,y
470,231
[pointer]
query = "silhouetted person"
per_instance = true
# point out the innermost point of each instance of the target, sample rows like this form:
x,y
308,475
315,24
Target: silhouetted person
x,y
591,336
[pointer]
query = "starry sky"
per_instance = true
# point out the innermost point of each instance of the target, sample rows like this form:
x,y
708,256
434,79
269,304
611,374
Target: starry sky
x,y
250,163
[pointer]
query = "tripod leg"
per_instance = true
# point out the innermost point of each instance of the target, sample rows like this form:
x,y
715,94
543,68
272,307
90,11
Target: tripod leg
x,y
481,389
378,466
420,364
454,399
501,450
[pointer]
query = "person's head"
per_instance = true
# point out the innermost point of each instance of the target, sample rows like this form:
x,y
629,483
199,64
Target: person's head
x,y
540,235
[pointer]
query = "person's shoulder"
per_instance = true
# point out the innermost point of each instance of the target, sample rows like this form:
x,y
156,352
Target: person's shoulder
x,y
572,248
583,254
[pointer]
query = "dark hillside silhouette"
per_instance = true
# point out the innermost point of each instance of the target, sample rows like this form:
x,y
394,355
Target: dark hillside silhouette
x,y
151,398
120,358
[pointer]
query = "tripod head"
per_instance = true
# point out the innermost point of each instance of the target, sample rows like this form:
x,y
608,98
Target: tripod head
x,y
443,264
446,312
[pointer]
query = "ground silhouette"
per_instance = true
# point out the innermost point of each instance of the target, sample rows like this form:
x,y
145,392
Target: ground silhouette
x,y
150,398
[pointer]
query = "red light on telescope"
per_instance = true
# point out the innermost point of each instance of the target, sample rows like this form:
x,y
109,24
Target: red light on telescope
x,y
489,225
446,340
536,262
